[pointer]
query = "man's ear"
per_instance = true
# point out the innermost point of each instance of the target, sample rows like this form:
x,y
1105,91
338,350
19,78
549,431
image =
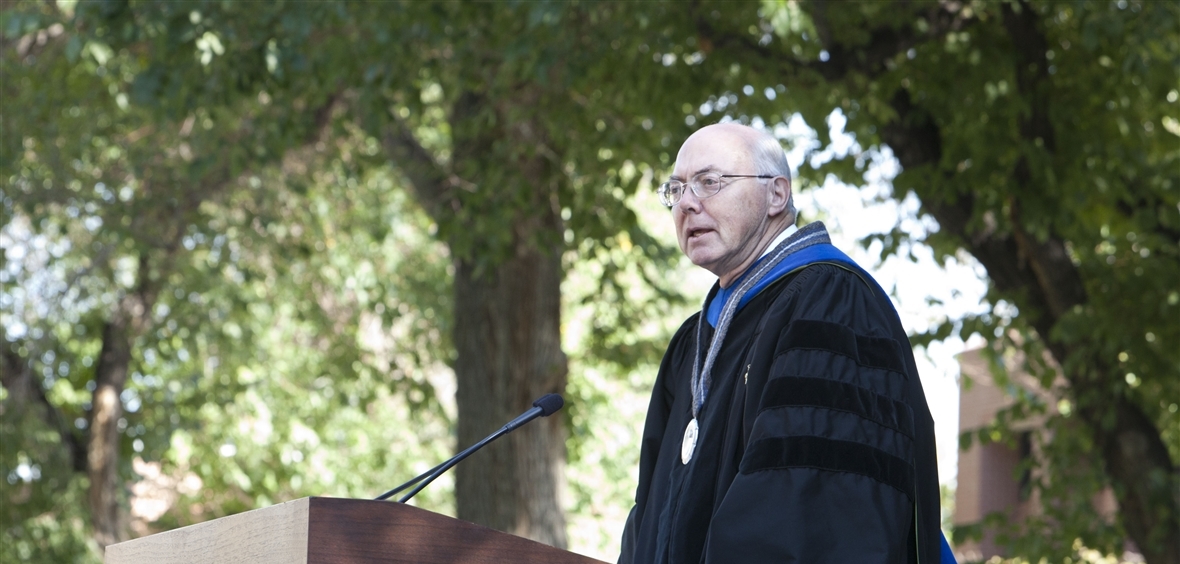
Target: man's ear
x,y
779,194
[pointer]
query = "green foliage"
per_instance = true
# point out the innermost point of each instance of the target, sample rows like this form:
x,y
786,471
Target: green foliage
x,y
228,158
296,315
1108,187
43,515
234,159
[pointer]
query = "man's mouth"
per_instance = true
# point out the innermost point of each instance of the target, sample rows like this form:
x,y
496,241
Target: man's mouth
x,y
697,232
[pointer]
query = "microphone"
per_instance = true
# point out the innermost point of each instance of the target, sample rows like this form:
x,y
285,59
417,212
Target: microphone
x,y
543,407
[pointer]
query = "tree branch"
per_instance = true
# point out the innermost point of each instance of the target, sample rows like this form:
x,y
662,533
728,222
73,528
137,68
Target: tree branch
x,y
431,185
869,59
24,391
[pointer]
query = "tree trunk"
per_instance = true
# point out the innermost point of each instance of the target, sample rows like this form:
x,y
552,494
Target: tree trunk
x,y
507,332
131,317
102,451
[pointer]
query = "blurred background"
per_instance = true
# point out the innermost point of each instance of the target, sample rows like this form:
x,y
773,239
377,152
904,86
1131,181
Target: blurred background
x,y
256,251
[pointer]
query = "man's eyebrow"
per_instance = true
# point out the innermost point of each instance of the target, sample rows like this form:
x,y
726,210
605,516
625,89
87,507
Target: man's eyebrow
x,y
709,168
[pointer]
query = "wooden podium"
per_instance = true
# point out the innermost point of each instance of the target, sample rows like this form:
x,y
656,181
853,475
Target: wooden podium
x,y
322,530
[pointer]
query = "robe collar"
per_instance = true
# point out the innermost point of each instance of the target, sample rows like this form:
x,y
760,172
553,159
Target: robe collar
x,y
812,244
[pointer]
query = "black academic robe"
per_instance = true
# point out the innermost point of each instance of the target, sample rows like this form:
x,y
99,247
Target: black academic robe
x,y
816,444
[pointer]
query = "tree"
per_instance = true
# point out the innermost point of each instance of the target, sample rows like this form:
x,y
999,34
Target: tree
x,y
475,105
1039,136
478,122
154,257
502,191
151,209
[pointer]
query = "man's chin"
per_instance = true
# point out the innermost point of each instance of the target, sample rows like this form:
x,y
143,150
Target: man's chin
x,y
707,261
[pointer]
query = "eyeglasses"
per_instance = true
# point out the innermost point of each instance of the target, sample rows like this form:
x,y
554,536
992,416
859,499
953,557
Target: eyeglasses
x,y
703,185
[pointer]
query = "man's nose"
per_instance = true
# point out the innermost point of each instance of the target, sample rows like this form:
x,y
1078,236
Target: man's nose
x,y
689,202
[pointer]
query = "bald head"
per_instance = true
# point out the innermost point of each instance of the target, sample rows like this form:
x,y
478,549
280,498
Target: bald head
x,y
727,231
766,154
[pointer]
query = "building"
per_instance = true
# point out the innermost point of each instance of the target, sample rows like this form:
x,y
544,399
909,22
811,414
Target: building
x,y
996,478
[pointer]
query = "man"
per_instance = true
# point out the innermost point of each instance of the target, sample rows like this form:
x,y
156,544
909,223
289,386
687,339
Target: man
x,y
787,422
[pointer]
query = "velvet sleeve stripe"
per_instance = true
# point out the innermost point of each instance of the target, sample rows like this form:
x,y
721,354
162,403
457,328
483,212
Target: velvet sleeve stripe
x,y
831,455
839,396
876,352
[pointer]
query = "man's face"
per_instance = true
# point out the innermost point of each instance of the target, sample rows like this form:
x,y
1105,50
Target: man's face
x,y
724,232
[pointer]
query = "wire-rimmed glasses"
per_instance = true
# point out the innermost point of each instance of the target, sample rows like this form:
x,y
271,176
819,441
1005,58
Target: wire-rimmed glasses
x,y
703,185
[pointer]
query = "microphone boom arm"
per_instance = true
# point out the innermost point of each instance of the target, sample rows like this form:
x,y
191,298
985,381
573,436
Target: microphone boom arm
x,y
543,407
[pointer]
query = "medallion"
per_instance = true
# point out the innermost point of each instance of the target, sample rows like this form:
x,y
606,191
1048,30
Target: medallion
x,y
690,441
